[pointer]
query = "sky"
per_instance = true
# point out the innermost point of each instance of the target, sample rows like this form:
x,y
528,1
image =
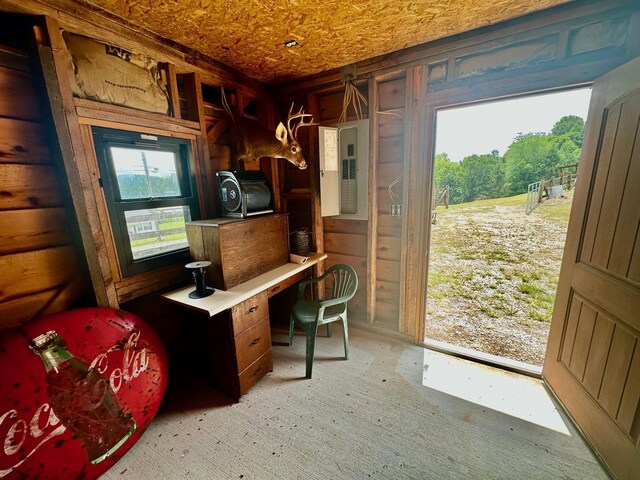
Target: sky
x,y
463,131
129,161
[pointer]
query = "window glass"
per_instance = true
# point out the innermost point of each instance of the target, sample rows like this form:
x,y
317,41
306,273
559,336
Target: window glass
x,y
155,231
145,173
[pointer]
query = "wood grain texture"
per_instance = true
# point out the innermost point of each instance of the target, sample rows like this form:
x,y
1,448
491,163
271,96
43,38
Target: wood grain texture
x,y
37,270
18,99
118,115
253,343
391,149
372,199
608,326
239,249
28,186
249,312
57,299
336,225
76,166
22,142
151,282
392,94
24,230
39,263
345,244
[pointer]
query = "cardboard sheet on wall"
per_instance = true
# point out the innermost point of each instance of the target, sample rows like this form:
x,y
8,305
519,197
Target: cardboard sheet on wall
x,y
111,74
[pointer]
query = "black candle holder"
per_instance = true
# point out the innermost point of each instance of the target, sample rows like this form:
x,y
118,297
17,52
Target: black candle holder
x,y
200,277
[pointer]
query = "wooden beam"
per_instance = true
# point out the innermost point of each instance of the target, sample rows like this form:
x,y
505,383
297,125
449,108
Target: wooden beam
x,y
130,116
75,165
372,233
218,129
415,224
410,143
174,97
314,173
205,177
267,114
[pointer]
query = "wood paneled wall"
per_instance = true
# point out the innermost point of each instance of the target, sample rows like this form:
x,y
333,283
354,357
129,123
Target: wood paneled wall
x,y
345,241
73,119
39,263
389,133
565,46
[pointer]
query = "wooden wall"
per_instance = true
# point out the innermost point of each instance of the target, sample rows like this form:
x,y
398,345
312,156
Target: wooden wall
x,y
386,230
73,119
40,265
566,46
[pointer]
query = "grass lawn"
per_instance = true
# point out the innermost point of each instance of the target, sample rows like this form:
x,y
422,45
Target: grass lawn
x,y
493,274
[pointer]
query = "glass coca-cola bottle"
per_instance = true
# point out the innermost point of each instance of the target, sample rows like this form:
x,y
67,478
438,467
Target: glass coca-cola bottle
x,y
82,398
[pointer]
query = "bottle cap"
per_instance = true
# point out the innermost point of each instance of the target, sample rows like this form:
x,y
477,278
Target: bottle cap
x,y
41,341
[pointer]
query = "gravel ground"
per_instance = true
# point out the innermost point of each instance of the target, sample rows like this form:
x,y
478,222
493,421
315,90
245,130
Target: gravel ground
x,y
493,275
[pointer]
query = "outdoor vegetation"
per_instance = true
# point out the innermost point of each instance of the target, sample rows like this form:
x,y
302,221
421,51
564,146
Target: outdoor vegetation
x,y
529,158
493,273
493,270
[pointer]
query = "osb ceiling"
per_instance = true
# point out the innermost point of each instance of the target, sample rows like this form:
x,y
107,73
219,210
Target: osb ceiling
x,y
249,35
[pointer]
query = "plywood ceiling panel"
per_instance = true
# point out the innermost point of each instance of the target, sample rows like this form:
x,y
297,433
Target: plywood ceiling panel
x,y
249,35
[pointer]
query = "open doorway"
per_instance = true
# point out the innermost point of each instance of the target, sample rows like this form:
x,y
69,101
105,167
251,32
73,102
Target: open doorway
x,y
504,175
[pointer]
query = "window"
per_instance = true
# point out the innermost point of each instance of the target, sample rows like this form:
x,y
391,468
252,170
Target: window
x,y
150,190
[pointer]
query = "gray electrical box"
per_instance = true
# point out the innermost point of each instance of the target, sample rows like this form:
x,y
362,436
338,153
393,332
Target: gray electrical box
x,y
344,170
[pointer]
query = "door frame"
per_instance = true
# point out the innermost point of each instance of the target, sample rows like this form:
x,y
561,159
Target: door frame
x,y
421,164
456,350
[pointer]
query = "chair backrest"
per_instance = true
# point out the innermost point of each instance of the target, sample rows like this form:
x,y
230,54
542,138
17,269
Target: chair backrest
x,y
345,281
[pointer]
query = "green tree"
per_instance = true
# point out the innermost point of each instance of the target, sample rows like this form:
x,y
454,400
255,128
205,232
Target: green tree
x,y
529,158
483,176
571,127
449,173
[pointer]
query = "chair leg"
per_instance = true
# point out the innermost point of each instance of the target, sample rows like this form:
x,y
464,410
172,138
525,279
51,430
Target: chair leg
x,y
311,344
345,337
329,329
291,327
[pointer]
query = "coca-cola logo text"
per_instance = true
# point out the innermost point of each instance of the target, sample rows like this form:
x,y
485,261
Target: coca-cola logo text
x,y
20,438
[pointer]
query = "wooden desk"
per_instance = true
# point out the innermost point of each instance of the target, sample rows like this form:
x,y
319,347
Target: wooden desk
x,y
238,340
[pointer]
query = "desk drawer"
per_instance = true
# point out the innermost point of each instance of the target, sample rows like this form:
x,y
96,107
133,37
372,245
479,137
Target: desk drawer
x,y
249,312
287,282
252,343
254,372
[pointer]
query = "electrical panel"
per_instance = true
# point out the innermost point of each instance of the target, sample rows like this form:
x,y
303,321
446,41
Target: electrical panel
x,y
344,164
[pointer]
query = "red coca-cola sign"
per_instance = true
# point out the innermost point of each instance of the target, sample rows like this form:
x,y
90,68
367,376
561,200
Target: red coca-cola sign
x,y
78,390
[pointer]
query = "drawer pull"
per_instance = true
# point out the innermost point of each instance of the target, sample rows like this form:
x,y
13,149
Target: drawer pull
x,y
253,309
275,289
256,372
256,341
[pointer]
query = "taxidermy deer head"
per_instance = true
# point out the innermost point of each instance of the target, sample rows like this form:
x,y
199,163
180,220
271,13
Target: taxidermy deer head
x,y
252,142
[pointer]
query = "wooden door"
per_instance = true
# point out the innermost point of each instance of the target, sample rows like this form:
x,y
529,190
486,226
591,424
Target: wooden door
x,y
593,355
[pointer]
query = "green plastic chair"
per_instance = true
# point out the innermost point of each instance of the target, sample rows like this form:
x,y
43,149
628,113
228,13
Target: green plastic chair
x,y
309,315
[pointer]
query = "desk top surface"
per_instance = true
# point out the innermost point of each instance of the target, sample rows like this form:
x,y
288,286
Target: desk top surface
x,y
224,299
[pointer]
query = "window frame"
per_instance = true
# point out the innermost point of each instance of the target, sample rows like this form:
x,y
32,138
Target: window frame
x,y
104,139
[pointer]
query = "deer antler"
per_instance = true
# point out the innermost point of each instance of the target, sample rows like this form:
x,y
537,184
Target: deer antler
x,y
302,123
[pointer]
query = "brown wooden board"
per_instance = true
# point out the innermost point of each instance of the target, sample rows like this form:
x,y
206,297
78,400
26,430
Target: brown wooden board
x,y
345,244
35,271
22,142
18,99
24,230
239,249
28,186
